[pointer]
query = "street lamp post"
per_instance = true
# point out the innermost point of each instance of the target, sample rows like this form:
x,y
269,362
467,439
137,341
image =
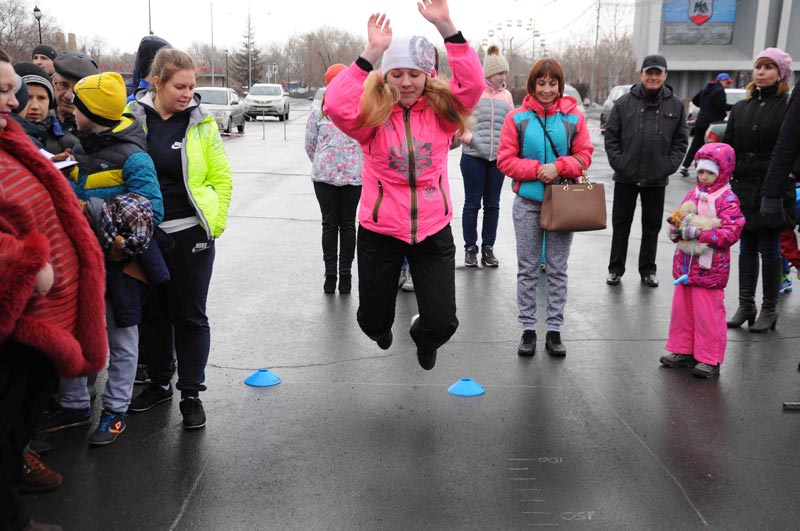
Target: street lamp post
x,y
212,43
37,14
227,79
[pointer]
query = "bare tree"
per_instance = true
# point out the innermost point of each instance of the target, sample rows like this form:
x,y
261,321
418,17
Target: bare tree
x,y
19,31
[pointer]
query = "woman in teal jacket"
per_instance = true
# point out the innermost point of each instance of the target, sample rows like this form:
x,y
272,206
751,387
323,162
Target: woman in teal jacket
x,y
195,179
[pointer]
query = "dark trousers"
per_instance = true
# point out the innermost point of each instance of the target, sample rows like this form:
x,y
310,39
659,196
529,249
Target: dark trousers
x,y
27,378
765,242
432,263
625,196
174,315
482,182
338,204
697,142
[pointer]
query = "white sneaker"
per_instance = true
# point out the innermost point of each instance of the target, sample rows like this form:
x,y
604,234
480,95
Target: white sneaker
x,y
408,285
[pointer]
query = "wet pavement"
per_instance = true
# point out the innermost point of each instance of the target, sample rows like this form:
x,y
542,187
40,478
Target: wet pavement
x,y
356,438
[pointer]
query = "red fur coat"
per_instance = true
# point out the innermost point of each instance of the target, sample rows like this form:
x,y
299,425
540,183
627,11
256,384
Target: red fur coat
x,y
27,245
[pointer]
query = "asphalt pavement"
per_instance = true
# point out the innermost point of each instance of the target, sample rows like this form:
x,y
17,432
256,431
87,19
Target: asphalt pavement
x,y
357,438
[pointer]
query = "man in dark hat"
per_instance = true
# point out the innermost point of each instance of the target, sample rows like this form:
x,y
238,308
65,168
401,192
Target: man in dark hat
x,y
43,56
148,47
645,140
70,68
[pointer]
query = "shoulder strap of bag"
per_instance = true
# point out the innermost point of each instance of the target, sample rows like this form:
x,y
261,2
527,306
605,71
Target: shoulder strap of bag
x,y
546,134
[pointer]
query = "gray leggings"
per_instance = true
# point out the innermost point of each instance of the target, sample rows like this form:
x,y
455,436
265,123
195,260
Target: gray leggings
x,y
529,237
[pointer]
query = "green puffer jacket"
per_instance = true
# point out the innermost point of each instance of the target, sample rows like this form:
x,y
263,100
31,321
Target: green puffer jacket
x,y
206,169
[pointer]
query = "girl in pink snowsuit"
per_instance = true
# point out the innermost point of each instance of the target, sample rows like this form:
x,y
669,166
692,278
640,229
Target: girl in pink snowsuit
x,y
701,266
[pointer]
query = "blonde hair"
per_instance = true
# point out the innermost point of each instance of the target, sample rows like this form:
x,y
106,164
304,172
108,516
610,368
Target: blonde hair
x,y
379,97
783,85
167,62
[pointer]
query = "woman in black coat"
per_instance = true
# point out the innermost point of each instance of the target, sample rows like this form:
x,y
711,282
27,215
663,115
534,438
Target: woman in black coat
x,y
753,128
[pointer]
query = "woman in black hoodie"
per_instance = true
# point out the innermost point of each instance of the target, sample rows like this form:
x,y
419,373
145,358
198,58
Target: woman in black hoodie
x,y
753,128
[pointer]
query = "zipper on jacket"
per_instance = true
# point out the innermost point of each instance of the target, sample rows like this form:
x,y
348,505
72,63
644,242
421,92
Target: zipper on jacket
x,y
491,128
412,173
377,202
444,198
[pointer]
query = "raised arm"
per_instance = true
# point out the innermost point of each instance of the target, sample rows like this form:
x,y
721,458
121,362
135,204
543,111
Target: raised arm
x,y
437,12
379,37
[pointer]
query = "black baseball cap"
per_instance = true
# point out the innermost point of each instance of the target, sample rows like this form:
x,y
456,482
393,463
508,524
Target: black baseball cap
x,y
654,61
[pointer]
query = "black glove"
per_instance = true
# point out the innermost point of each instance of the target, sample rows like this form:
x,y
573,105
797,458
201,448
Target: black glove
x,y
772,211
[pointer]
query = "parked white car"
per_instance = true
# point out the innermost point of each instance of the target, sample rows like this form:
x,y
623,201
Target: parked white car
x,y
224,105
267,99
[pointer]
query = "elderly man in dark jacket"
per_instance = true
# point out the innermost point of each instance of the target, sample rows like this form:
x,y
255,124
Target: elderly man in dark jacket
x,y
713,106
645,140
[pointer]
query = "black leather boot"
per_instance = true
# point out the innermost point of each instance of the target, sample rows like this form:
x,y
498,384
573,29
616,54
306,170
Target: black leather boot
x,y
748,279
771,280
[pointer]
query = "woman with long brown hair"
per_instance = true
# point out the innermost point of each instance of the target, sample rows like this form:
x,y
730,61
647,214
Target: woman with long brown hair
x,y
405,118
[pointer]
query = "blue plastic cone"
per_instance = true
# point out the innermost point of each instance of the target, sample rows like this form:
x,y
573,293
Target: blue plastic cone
x,y
466,387
262,378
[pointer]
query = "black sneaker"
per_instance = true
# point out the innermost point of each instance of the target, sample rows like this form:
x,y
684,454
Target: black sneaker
x,y
553,345
386,341
527,346
487,257
111,425
66,418
141,377
471,256
152,395
194,416
426,358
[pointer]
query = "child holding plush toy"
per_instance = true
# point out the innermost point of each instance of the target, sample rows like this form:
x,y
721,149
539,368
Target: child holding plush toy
x,y
705,226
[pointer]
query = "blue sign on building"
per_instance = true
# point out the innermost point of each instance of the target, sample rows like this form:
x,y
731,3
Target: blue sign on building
x,y
698,21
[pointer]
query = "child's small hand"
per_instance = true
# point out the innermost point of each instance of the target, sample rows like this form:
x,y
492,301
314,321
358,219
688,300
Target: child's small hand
x,y
674,234
45,279
116,254
690,233
65,155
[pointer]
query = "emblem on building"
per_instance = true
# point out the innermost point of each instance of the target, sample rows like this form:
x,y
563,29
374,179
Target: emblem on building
x,y
700,11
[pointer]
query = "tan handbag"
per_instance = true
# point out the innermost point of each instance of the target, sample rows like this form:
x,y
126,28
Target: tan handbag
x,y
574,207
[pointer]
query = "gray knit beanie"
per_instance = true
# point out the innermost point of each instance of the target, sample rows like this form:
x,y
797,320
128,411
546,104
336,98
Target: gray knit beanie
x,y
494,63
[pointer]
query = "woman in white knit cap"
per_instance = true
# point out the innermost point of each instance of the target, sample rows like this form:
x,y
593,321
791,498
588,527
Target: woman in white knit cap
x,y
482,180
404,119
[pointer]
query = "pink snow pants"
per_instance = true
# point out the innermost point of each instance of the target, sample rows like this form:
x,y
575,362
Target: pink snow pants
x,y
697,324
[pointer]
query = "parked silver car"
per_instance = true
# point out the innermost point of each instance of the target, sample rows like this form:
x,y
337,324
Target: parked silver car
x,y
267,99
569,90
224,105
613,96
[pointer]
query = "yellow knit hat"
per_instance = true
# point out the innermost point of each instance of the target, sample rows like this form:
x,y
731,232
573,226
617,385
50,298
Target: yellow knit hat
x,y
101,97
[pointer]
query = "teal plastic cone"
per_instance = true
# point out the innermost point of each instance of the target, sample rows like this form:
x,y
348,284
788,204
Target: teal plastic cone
x,y
466,387
263,378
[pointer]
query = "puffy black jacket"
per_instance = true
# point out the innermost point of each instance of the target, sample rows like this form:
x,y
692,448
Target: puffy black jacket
x,y
752,131
713,104
786,155
646,139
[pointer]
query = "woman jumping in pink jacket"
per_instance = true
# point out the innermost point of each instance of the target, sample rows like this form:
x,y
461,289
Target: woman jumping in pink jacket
x,y
404,119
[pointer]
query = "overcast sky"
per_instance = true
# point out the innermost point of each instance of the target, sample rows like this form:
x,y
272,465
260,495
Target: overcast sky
x,y
121,24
